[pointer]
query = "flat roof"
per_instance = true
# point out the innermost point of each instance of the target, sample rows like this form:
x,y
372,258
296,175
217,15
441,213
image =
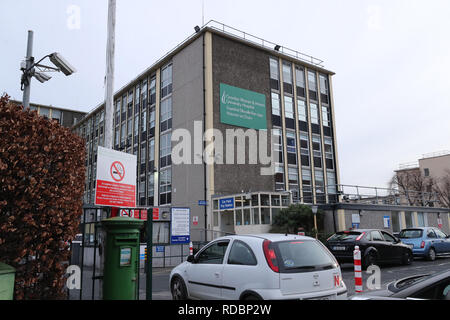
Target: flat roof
x,y
48,106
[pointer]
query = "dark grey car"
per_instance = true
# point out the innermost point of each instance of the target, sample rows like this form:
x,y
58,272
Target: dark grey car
x,y
434,286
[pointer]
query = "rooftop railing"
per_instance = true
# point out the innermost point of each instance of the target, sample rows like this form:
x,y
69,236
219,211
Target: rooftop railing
x,y
213,24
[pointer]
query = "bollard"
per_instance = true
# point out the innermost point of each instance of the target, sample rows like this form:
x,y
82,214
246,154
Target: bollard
x,y
191,249
358,271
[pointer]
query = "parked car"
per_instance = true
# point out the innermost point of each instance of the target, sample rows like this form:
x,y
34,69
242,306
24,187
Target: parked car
x,y
265,266
425,286
427,242
376,246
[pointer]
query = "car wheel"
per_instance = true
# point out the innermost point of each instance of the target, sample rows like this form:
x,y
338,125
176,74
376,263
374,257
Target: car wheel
x,y
407,258
370,259
178,289
431,255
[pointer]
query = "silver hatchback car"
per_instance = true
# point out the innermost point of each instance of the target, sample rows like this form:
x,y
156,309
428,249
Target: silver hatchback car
x,y
264,266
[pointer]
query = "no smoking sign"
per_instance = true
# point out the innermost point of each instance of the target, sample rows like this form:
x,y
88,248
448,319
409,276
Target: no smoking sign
x,y
117,171
116,178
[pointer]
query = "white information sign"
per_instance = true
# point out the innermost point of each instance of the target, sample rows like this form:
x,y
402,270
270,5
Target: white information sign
x,y
180,230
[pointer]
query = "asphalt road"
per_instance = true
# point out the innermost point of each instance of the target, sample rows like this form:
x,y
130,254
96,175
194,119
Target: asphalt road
x,y
389,273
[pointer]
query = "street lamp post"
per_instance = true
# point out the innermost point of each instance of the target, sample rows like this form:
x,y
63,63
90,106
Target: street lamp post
x,y
314,211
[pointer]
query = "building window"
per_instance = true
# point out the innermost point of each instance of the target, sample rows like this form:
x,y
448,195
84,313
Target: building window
x,y
312,84
304,149
151,121
166,114
276,104
165,187
328,146
144,122
56,115
323,84
279,177
151,189
278,145
293,176
331,182
130,129
117,117
426,172
123,110
306,182
265,215
142,191
289,112
44,112
274,71
288,107
123,134
291,147
274,74
152,91
130,104
326,116
320,185
166,81
317,151
287,77
312,81
136,128
302,114
287,73
314,113
137,99
323,79
165,150
299,77
144,94
151,154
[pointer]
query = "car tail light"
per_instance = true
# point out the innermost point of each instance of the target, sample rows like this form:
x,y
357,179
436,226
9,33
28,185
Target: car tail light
x,y
360,236
422,244
270,255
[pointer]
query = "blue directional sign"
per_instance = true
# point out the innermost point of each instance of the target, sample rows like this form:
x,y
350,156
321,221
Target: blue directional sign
x,y
227,203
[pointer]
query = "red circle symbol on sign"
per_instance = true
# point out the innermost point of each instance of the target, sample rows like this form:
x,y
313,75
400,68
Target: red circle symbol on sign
x,y
117,171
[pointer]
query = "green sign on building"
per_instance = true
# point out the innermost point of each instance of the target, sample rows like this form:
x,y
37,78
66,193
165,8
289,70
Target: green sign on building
x,y
243,108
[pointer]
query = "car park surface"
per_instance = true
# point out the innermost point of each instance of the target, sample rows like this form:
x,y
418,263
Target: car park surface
x,y
267,266
426,242
428,286
376,246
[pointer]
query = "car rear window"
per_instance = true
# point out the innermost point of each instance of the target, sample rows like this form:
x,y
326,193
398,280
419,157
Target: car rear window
x,y
340,236
410,233
303,255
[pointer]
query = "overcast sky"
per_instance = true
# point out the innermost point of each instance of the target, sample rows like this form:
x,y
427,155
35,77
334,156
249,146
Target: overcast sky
x,y
391,59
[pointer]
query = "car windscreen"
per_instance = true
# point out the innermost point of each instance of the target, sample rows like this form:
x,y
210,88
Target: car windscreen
x,y
303,255
411,233
344,236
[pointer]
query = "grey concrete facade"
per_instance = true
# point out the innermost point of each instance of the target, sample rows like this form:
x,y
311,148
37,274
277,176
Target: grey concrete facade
x,y
245,67
188,180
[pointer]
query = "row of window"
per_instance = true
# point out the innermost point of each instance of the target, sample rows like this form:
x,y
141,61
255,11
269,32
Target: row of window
x,y
307,145
135,133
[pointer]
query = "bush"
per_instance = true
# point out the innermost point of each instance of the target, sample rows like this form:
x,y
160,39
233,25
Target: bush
x,y
296,216
42,173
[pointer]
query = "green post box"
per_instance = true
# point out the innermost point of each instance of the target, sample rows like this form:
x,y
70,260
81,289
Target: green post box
x,y
121,264
7,275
